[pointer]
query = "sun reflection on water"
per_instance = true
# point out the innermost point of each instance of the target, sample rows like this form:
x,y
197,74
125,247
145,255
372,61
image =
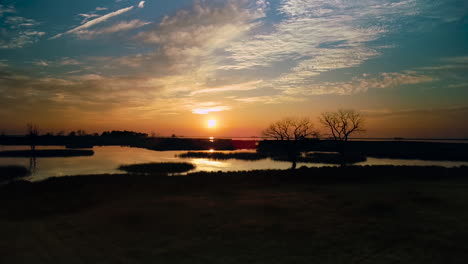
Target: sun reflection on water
x,y
209,165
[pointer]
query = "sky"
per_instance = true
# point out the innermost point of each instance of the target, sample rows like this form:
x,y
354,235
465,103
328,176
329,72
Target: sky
x,y
170,66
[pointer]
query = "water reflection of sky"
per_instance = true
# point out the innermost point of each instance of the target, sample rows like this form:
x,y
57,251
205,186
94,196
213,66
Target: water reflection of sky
x,y
209,165
108,159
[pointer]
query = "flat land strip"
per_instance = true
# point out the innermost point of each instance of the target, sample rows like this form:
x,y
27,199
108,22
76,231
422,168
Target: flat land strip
x,y
330,215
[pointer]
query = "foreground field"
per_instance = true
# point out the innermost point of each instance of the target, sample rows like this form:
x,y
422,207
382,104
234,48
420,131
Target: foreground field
x,y
329,215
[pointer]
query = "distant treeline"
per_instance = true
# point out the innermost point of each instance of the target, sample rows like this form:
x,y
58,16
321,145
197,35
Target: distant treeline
x,y
80,139
378,149
47,153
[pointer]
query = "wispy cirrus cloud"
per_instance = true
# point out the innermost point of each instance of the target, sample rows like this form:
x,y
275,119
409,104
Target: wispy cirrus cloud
x,y
458,60
93,22
203,29
89,15
408,112
207,110
86,17
5,9
3,63
186,44
361,84
17,31
65,61
117,27
320,36
252,85
42,63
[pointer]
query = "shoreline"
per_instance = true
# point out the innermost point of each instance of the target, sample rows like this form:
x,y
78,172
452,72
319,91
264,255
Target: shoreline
x,y
328,174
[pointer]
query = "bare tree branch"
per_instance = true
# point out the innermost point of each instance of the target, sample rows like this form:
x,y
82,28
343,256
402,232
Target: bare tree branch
x,y
342,123
290,129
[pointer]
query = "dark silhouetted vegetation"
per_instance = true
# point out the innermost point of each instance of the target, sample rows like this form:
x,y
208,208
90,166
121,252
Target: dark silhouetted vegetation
x,y
47,153
327,158
13,171
335,158
291,132
318,215
123,134
158,167
381,149
123,138
32,134
342,124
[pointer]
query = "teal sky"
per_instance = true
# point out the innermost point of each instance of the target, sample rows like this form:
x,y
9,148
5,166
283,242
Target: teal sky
x,y
169,66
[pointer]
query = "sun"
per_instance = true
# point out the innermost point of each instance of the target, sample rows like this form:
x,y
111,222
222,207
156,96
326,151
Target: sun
x,y
211,123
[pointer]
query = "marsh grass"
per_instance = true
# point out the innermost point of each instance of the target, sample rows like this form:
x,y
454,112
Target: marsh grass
x,y
158,168
380,214
327,158
13,171
335,158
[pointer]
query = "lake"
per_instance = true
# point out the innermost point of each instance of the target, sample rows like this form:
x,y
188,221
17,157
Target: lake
x,y
108,158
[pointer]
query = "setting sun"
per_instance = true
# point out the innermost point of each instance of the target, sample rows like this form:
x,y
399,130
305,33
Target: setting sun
x,y
211,123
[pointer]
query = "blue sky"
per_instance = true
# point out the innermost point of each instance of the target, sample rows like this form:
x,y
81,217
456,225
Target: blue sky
x,y
167,66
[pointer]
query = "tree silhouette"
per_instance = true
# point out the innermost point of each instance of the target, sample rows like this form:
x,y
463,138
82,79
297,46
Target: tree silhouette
x,y
290,131
341,125
32,134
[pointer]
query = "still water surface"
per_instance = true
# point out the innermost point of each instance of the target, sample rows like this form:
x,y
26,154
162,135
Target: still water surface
x,y
107,159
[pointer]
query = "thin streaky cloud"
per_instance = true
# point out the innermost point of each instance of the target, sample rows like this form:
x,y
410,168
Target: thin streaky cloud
x,y
141,4
359,84
87,17
16,31
319,35
230,88
207,110
118,27
461,59
94,22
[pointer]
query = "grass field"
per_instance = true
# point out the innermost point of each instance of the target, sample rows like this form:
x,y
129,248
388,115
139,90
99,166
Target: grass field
x,y
330,215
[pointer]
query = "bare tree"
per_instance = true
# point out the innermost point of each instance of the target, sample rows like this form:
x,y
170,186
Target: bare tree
x,y
341,125
81,133
290,131
32,134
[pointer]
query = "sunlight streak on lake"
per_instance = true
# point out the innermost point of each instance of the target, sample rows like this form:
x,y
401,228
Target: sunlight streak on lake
x,y
107,159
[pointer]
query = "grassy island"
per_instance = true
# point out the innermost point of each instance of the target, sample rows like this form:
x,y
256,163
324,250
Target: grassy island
x,y
158,168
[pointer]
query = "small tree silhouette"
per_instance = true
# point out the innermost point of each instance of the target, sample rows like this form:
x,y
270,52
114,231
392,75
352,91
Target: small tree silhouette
x,y
32,134
291,131
341,125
